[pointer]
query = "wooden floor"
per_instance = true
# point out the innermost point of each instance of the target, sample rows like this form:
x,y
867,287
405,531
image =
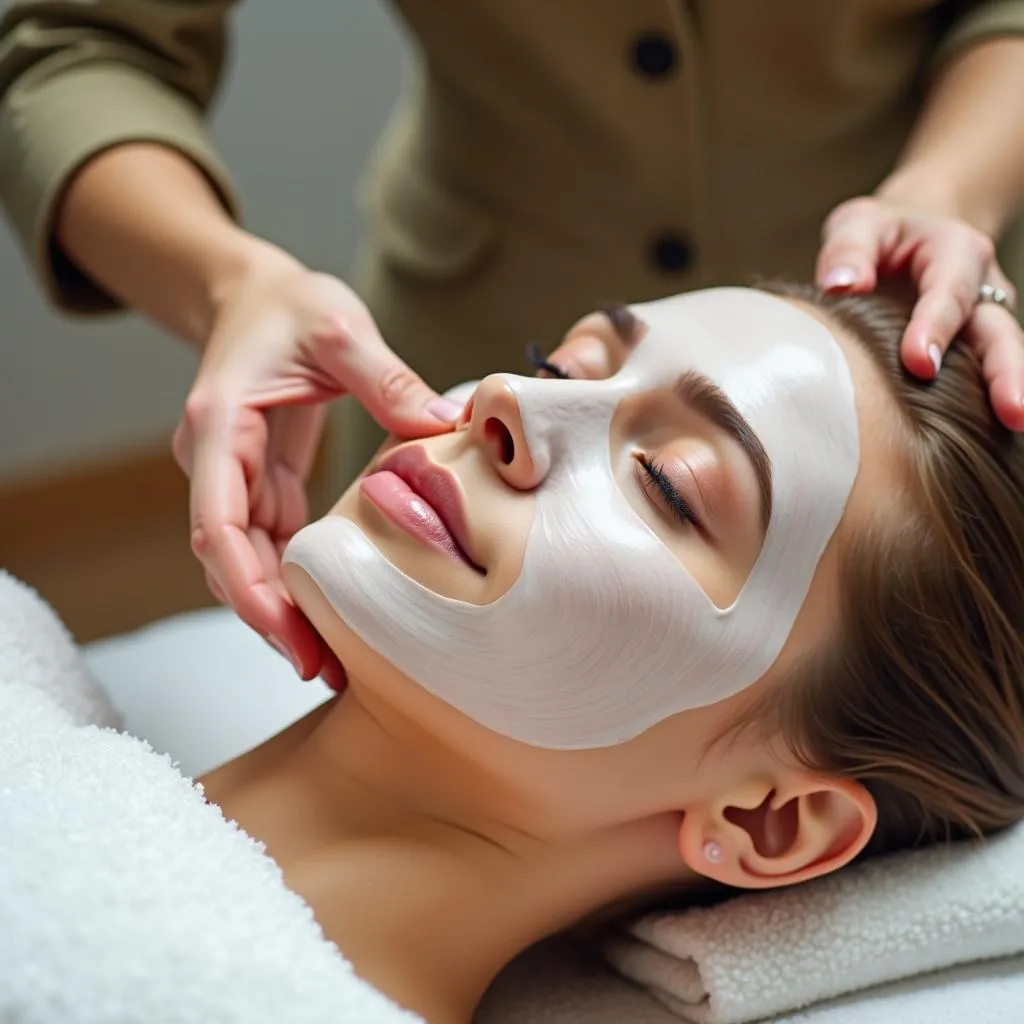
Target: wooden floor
x,y
107,544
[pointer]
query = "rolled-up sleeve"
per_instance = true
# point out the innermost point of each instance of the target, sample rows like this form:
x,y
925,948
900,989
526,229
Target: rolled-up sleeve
x,y
979,22
77,78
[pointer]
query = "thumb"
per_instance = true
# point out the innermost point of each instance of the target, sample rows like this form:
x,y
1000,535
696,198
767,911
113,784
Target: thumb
x,y
851,248
390,391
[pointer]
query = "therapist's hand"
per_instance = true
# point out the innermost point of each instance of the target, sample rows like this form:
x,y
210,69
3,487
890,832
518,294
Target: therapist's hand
x,y
285,341
948,261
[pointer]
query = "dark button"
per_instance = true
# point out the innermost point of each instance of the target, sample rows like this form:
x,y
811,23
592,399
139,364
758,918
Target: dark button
x,y
654,55
672,252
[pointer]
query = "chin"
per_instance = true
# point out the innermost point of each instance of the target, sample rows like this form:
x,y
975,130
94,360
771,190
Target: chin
x,y
378,684
366,668
309,599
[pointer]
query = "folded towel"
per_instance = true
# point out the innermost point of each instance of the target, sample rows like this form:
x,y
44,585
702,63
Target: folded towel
x,y
885,919
124,897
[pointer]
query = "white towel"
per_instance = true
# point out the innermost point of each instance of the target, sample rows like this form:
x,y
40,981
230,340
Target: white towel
x,y
886,919
124,897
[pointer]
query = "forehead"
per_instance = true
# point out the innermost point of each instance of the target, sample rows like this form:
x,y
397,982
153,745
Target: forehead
x,y
753,345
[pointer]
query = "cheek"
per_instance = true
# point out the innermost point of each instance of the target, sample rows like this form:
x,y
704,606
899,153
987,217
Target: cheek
x,y
721,579
819,618
501,525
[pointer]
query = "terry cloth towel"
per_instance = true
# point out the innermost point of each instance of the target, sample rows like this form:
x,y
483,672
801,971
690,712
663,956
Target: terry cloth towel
x,y
888,918
124,897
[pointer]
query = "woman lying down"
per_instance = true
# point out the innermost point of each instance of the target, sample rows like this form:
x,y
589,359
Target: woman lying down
x,y
743,612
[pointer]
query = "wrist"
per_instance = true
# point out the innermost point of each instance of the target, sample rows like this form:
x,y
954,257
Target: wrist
x,y
236,260
940,190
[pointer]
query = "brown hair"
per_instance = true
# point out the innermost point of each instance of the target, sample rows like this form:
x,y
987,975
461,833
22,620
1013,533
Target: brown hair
x,y
921,696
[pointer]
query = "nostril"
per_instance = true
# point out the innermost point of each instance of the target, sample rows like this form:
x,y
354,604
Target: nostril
x,y
497,432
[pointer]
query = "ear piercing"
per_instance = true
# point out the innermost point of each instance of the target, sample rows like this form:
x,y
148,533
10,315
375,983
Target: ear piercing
x,y
713,852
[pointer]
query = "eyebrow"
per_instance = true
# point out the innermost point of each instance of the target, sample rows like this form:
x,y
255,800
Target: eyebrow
x,y
624,323
710,402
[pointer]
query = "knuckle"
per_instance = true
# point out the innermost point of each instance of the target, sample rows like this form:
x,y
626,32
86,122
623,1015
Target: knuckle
x,y
200,541
395,384
971,242
984,247
335,330
862,205
199,409
852,209
964,299
179,448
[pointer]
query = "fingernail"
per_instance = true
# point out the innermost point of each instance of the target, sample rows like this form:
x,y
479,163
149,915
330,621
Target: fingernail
x,y
840,277
285,653
935,355
444,409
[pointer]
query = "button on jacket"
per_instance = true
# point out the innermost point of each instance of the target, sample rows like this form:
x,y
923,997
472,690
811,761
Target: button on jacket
x,y
544,159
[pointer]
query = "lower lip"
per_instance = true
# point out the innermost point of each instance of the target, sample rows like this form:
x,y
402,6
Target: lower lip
x,y
407,510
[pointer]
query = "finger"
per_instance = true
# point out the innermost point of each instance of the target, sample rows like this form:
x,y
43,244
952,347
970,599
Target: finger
x,y
997,278
393,394
220,538
292,635
851,247
181,447
997,338
295,433
332,672
949,272
303,638
292,510
218,594
267,552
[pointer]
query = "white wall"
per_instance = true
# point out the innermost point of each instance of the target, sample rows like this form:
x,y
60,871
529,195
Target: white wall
x,y
309,88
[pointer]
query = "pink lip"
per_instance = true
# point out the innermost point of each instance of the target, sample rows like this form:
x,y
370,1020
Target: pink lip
x,y
423,499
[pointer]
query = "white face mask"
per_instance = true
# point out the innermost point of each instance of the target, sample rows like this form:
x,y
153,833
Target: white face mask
x,y
605,633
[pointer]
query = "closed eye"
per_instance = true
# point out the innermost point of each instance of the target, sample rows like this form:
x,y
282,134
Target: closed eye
x,y
656,483
542,365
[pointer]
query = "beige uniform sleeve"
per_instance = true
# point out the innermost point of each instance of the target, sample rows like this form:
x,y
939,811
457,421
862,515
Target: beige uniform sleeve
x,y
80,76
981,21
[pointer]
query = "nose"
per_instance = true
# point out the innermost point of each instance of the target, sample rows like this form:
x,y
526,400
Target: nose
x,y
496,424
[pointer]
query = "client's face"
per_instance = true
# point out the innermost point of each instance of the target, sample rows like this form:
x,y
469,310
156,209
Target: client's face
x,y
581,560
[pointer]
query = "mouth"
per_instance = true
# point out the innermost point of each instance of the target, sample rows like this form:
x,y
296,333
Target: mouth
x,y
423,499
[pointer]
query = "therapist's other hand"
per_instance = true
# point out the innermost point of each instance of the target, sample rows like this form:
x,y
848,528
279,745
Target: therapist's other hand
x,y
285,341
948,261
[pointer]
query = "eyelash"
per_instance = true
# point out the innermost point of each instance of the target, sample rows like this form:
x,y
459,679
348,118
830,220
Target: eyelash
x,y
655,477
537,360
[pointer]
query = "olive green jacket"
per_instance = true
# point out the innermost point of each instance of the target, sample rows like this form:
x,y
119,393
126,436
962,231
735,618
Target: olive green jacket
x,y
545,157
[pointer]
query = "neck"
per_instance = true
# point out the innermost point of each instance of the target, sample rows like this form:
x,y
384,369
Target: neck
x,y
473,873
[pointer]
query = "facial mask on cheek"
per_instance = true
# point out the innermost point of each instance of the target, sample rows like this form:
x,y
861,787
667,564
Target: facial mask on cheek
x,y
605,633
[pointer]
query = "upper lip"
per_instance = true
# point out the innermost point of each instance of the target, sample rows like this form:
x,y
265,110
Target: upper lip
x,y
437,486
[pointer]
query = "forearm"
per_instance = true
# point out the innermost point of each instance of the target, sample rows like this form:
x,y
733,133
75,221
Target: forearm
x,y
145,224
966,154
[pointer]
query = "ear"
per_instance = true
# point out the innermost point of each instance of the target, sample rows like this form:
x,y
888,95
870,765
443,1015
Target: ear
x,y
779,831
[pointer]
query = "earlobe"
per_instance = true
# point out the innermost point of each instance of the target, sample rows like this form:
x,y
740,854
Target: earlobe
x,y
774,832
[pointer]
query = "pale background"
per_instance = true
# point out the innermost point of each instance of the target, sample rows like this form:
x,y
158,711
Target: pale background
x,y
308,89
